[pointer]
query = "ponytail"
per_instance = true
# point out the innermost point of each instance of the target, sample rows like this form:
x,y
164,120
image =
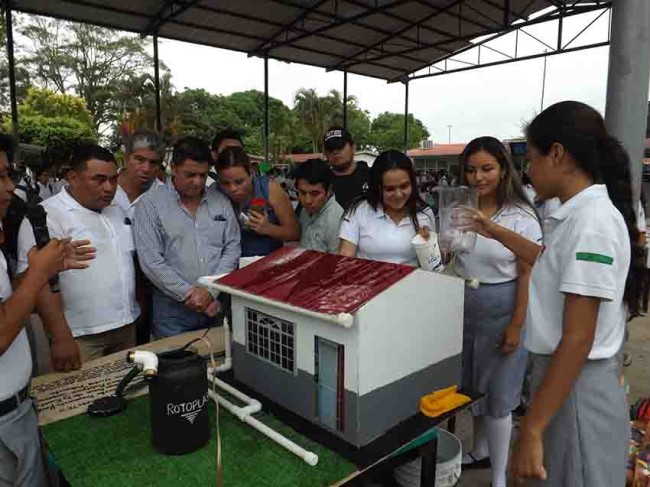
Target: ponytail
x,y
581,131
614,164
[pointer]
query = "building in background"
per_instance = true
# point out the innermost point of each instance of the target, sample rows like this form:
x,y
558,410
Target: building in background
x,y
438,157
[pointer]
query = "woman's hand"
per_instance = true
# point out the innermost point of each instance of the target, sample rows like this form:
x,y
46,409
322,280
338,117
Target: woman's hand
x,y
425,232
77,253
258,222
479,223
528,459
511,339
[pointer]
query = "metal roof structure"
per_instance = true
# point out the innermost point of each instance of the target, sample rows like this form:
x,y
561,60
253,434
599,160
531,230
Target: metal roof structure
x,y
386,39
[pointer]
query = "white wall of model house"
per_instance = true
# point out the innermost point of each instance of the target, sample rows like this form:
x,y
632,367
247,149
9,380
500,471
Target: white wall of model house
x,y
413,324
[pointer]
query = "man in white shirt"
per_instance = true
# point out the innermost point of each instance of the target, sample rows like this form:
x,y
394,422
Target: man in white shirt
x,y
46,188
143,151
21,458
97,306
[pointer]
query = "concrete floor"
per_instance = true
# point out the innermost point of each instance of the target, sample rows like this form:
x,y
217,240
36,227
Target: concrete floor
x,y
637,377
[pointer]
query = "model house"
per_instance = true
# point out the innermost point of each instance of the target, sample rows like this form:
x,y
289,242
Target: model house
x,y
349,344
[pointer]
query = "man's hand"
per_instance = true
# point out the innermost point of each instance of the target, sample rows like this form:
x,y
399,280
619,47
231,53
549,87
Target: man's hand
x,y
50,260
65,354
198,299
213,309
77,253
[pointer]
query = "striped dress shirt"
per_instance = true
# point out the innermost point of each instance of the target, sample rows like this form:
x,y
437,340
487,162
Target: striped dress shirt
x,y
174,248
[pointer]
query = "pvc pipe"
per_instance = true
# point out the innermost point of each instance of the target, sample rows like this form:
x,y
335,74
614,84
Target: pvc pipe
x,y
346,320
308,457
227,363
147,361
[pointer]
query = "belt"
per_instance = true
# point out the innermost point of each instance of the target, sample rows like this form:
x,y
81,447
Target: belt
x,y
10,404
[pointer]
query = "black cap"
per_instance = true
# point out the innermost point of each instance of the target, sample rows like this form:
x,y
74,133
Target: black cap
x,y
336,138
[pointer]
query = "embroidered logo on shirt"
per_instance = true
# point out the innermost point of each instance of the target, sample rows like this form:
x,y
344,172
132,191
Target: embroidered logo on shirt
x,y
598,258
219,218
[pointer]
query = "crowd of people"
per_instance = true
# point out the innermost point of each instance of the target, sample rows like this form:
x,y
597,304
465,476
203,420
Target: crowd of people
x,y
129,245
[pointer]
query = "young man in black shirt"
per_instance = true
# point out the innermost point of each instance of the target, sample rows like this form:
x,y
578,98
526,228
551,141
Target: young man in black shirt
x,y
350,177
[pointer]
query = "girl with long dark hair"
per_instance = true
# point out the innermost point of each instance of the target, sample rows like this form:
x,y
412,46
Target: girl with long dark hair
x,y
266,215
381,225
494,363
584,287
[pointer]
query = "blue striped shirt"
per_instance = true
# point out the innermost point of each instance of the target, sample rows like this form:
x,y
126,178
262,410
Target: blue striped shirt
x,y
174,248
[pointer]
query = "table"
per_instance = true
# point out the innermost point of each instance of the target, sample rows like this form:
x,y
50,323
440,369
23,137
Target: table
x,y
118,450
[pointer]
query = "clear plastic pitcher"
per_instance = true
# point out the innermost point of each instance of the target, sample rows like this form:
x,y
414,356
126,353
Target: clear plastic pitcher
x,y
453,218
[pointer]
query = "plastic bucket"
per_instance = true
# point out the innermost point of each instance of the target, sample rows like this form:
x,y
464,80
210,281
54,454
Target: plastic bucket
x,y
448,465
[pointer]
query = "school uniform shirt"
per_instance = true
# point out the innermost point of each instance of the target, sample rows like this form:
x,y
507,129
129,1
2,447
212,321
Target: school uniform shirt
x,y
586,252
101,297
490,262
321,231
16,362
377,237
46,191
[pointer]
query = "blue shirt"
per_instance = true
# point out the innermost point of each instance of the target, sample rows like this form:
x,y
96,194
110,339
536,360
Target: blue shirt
x,y
252,243
174,248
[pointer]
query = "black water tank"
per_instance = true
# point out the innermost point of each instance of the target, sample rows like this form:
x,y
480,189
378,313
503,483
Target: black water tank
x,y
179,403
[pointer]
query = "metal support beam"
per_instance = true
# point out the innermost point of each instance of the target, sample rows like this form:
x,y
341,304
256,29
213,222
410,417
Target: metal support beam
x,y
506,61
12,69
406,117
266,109
169,10
363,14
286,29
437,11
553,15
627,81
156,82
345,99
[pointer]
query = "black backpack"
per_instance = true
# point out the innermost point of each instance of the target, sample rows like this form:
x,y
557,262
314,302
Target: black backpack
x,y
13,219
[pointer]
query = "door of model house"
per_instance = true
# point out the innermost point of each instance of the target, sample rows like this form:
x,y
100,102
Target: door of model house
x,y
330,362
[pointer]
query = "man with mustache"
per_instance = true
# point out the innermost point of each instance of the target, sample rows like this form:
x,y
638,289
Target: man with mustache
x,y
183,231
96,309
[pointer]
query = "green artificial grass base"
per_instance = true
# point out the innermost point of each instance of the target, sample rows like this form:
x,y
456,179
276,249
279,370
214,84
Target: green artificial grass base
x,y
117,451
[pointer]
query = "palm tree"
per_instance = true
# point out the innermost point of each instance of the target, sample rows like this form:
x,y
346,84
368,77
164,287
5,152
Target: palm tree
x,y
316,114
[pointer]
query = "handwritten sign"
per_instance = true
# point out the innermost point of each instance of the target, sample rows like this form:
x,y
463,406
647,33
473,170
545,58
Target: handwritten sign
x,y
63,395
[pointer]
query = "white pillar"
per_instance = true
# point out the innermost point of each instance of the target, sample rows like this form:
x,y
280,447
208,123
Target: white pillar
x,y
628,78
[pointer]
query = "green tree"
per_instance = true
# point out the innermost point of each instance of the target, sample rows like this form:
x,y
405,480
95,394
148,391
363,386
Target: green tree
x,y
316,114
358,120
88,61
387,131
22,75
202,114
48,119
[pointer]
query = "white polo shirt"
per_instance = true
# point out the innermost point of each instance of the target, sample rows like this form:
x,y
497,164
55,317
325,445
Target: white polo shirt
x,y
492,263
586,252
101,297
377,237
16,362
122,199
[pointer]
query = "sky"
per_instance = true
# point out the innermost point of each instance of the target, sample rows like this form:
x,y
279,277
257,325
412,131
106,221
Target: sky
x,y
493,101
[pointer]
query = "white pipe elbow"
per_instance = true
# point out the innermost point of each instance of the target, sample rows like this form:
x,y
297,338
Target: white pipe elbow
x,y
147,361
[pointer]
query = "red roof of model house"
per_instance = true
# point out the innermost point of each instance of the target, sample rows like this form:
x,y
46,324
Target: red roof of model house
x,y
315,281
